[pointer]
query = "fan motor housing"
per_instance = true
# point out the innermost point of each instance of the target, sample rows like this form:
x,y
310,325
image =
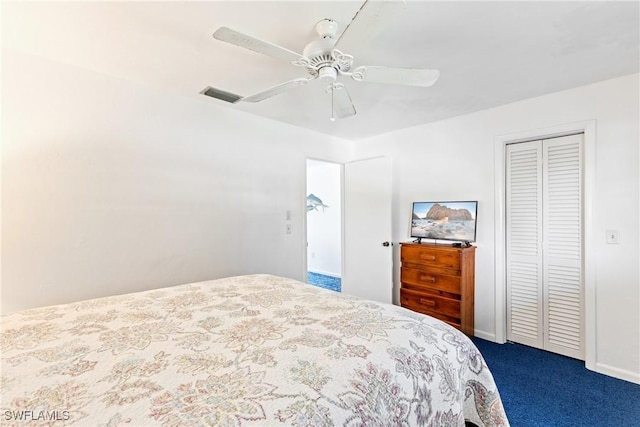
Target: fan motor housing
x,y
320,55
319,51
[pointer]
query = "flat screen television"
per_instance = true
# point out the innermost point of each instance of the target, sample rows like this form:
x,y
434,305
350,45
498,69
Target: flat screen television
x,y
444,221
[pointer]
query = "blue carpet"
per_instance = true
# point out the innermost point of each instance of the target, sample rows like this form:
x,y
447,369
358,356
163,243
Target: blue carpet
x,y
327,282
544,389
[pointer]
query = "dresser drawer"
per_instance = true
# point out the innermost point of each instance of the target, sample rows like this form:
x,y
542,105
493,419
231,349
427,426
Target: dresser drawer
x,y
431,256
430,280
427,303
438,280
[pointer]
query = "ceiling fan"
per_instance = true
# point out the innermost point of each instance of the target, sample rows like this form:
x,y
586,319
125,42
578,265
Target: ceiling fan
x,y
326,59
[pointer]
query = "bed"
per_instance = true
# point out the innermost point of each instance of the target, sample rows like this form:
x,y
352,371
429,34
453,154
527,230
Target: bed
x,y
255,350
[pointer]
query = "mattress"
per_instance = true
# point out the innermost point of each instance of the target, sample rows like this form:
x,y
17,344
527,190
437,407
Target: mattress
x,y
255,350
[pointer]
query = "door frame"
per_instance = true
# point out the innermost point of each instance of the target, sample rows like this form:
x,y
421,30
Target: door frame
x,y
588,128
305,260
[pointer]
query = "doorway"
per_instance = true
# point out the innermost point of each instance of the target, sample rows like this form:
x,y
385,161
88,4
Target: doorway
x,y
324,224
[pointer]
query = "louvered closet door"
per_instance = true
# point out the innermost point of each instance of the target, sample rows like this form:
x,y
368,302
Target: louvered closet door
x,y
524,243
562,250
544,244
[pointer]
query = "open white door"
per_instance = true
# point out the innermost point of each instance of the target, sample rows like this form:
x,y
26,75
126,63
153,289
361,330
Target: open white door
x,y
368,255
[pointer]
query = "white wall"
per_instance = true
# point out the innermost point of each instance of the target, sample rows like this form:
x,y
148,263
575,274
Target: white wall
x,y
110,187
454,160
324,226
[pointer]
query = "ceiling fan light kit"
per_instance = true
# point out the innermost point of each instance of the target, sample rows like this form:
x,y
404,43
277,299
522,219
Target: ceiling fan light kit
x,y
328,74
323,61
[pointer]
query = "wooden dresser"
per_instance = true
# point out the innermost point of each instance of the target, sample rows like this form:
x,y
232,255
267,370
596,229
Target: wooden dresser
x,y
438,280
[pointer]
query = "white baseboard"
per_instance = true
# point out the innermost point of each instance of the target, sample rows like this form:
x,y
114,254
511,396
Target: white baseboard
x,y
485,335
621,374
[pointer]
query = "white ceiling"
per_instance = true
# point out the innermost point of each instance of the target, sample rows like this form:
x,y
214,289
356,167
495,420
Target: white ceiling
x,y
488,53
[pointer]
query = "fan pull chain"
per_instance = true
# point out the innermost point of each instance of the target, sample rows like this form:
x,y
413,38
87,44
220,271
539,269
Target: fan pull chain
x,y
333,119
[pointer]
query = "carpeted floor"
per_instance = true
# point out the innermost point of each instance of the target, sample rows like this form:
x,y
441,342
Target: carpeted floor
x,y
542,389
327,282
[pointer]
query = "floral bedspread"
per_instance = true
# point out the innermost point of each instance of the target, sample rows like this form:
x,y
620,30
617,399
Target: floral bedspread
x,y
248,350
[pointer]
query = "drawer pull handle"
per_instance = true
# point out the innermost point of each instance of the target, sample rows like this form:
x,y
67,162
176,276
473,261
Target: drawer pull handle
x,y
428,302
428,257
428,279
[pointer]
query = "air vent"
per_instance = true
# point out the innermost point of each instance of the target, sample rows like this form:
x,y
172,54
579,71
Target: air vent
x,y
220,94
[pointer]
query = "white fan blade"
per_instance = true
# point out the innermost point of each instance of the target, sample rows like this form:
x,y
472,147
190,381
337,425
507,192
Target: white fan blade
x,y
341,102
368,22
230,36
275,90
398,76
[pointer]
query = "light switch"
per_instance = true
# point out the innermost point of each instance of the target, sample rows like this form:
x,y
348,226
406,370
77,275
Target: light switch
x,y
613,237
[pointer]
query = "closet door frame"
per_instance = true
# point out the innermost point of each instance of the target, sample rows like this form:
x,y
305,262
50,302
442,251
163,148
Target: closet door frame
x,y
588,128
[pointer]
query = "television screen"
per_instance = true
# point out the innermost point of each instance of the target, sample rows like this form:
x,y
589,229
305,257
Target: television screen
x,y
444,221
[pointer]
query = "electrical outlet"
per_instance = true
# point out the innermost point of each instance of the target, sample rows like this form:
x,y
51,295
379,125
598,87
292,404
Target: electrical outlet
x,y
613,237
288,229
